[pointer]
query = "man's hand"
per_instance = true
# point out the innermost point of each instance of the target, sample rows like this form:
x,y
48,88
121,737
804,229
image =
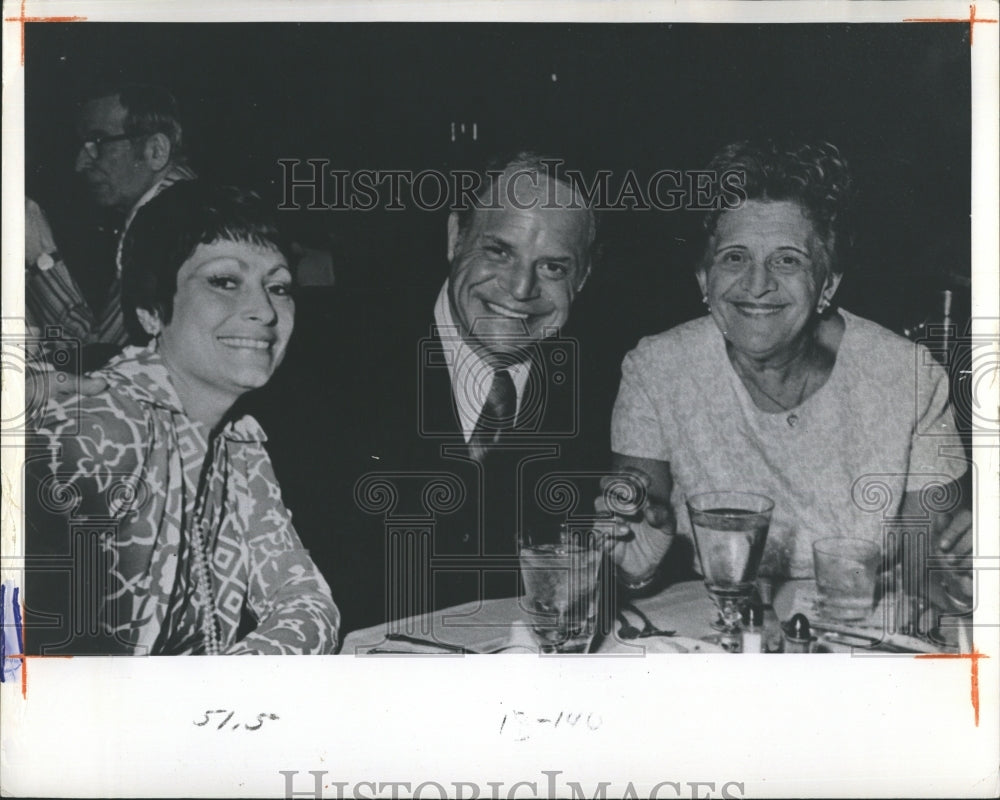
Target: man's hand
x,y
43,382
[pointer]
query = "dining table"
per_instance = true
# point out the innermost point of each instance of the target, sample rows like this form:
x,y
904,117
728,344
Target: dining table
x,y
682,615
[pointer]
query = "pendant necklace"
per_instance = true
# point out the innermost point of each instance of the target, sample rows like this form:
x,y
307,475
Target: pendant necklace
x,y
793,418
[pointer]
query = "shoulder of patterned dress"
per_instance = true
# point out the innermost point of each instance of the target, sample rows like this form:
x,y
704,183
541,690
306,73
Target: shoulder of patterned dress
x,y
245,429
73,415
139,373
99,444
138,390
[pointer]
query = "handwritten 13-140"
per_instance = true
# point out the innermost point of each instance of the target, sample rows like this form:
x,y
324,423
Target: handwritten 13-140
x,y
520,725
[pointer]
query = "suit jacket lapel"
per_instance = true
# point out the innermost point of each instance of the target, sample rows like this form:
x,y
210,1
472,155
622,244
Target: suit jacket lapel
x,y
439,415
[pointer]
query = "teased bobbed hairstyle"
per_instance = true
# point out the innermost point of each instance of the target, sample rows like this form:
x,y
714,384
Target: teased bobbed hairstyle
x,y
166,231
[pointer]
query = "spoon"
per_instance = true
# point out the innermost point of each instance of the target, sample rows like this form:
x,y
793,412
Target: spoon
x,y
648,628
629,631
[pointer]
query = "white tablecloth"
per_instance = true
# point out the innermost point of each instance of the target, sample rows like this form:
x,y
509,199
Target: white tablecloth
x,y
684,607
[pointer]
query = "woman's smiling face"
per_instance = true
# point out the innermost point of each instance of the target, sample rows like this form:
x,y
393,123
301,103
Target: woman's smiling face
x,y
233,314
764,273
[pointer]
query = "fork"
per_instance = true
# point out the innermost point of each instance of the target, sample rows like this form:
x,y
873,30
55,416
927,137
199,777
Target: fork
x,y
383,651
402,637
445,649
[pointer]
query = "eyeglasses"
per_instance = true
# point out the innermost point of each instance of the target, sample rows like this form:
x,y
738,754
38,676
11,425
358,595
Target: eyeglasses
x,y
93,146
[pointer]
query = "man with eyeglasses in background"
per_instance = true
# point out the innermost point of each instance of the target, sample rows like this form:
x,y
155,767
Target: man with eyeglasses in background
x,y
130,150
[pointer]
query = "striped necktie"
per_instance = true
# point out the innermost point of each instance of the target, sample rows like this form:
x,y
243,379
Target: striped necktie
x,y
498,414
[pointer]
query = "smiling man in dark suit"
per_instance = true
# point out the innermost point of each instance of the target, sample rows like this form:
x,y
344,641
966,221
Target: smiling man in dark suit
x,y
517,264
457,418
477,462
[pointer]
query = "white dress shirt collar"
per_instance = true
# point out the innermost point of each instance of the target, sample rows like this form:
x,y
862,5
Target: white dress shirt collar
x,y
467,370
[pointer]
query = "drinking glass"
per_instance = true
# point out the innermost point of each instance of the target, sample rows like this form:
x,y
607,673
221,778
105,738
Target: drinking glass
x,y
846,573
561,574
730,529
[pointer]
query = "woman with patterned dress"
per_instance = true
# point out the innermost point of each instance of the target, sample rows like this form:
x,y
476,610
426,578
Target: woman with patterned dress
x,y
157,489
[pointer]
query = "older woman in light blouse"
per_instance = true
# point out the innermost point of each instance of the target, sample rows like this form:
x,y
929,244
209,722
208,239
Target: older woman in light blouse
x,y
193,551
780,392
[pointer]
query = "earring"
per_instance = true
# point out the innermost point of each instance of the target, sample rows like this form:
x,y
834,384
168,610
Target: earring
x,y
150,322
822,305
704,299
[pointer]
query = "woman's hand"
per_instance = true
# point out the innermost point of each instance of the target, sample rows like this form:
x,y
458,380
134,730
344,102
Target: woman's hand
x,y
626,496
955,543
956,539
950,579
637,496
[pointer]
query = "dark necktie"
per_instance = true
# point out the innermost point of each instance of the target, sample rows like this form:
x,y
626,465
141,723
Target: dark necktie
x,y
497,415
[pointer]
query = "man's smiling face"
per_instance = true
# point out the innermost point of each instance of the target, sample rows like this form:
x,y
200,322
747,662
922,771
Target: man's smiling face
x,y
515,269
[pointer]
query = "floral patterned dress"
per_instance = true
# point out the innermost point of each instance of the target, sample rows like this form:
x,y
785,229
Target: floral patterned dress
x,y
199,554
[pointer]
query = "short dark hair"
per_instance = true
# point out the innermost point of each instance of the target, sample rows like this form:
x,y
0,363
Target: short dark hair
x,y
148,109
166,231
530,162
814,175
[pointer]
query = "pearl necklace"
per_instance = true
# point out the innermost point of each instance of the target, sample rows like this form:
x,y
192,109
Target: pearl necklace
x,y
206,591
202,571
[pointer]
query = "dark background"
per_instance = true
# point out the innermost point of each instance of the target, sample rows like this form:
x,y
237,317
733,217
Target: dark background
x,y
894,97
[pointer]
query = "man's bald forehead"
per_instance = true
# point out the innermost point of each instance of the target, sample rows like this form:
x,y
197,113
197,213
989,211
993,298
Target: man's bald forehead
x,y
526,188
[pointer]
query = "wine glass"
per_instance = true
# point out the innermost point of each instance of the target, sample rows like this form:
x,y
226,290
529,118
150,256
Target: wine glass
x,y
730,530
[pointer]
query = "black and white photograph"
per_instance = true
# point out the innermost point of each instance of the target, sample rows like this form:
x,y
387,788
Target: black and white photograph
x,y
604,403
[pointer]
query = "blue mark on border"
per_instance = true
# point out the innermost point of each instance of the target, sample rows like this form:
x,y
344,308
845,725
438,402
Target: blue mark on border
x,y
11,639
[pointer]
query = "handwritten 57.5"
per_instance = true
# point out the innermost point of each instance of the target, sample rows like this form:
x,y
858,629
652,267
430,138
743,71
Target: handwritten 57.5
x,y
224,721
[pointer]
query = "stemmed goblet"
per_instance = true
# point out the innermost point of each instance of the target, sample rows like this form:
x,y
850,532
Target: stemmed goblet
x,y
730,530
